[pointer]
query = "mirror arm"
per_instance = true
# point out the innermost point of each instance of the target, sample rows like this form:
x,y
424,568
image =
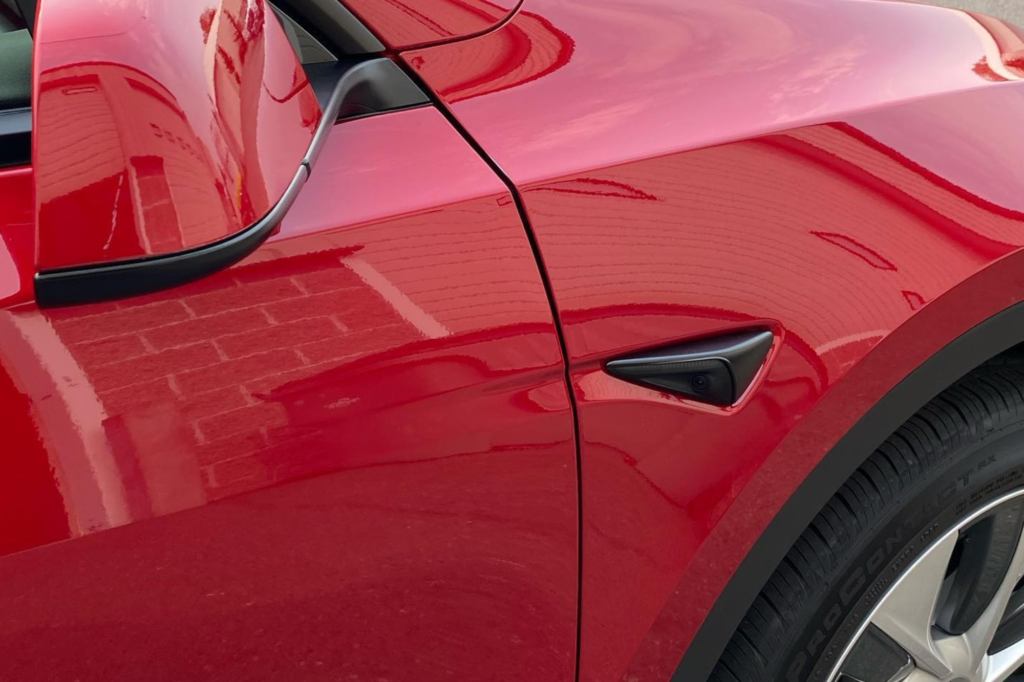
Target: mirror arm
x,y
89,284
75,286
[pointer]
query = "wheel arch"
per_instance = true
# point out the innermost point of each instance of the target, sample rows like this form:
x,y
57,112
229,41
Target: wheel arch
x,y
969,349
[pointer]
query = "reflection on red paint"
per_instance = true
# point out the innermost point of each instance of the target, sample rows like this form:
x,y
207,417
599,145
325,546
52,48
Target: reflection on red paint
x,y
525,50
136,155
817,229
599,188
694,168
561,88
33,512
852,246
1006,61
402,24
359,433
17,237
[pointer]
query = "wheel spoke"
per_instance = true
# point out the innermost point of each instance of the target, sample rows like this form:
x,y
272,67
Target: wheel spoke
x,y
1010,553
919,675
989,546
1003,664
907,612
876,658
956,614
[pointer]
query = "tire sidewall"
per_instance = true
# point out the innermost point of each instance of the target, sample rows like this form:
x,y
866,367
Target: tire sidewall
x,y
965,482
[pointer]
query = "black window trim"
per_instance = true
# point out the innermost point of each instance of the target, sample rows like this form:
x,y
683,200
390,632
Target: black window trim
x,y
15,137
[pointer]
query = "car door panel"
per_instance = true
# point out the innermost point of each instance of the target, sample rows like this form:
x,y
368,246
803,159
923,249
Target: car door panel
x,y
350,454
696,169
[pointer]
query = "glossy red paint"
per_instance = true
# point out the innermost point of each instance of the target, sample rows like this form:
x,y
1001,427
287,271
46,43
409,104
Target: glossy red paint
x,y
361,435
402,24
161,126
17,236
845,173
380,393
573,85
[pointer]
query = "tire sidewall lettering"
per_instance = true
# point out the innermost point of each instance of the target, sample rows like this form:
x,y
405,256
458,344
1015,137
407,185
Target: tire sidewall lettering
x,y
936,502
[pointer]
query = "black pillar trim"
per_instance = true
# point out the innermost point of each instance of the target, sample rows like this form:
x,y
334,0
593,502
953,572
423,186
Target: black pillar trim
x,y
15,137
336,25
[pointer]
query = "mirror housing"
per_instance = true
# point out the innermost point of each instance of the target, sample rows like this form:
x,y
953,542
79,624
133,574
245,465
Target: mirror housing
x,y
169,138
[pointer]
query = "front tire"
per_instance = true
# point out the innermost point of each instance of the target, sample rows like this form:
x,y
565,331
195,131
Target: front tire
x,y
912,570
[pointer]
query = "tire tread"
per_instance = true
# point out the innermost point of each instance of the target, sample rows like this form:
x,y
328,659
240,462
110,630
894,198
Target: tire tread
x,y
987,399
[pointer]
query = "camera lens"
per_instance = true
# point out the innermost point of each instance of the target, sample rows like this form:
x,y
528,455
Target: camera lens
x,y
700,382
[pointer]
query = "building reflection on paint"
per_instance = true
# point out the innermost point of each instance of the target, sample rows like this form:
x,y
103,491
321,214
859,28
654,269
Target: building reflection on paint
x,y
363,424
148,163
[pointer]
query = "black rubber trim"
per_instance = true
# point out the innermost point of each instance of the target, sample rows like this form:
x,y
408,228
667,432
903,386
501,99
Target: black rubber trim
x,y
334,25
978,345
146,275
89,284
15,137
28,13
379,85
309,49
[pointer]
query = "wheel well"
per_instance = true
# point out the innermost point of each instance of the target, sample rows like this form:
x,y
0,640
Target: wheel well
x,y
996,340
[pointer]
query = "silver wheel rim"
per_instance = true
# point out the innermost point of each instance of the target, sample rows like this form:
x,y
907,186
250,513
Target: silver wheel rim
x,y
956,614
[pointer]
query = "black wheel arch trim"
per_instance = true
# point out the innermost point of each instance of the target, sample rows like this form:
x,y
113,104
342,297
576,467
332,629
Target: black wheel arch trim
x,y
387,86
976,346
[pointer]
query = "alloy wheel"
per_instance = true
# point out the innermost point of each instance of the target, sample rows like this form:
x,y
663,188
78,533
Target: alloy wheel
x,y
956,614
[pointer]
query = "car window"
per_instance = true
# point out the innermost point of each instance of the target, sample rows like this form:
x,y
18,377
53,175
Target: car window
x,y
15,81
15,57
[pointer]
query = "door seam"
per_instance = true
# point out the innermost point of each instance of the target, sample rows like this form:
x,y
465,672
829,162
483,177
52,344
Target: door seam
x,y
549,292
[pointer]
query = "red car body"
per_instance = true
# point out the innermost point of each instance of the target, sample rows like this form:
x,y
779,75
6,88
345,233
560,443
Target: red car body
x,y
385,445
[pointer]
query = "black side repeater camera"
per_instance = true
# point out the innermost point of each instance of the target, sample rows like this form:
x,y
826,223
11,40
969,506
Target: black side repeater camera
x,y
716,370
